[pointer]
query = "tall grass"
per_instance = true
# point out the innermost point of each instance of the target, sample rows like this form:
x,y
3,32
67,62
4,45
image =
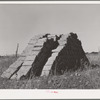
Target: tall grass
x,y
89,78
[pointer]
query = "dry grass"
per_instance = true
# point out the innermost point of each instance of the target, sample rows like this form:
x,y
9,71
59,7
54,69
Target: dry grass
x,y
94,58
87,79
5,61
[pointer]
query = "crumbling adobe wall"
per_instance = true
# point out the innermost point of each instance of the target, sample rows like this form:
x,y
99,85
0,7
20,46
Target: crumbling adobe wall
x,y
41,48
71,57
43,56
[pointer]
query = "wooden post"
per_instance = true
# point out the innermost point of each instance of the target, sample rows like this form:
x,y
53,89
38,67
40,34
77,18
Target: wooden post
x,y
17,49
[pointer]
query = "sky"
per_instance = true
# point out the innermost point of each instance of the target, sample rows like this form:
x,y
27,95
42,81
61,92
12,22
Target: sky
x,y
20,22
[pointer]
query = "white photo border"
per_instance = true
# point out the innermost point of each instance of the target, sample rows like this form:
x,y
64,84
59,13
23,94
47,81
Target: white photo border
x,y
49,93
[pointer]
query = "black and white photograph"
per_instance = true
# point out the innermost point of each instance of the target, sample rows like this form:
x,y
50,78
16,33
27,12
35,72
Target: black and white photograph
x,y
50,46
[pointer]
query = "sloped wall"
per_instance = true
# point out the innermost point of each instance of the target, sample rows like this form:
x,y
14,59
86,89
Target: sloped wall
x,y
71,57
50,54
42,57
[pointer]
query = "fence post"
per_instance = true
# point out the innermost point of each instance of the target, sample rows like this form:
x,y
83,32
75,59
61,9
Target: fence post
x,y
17,49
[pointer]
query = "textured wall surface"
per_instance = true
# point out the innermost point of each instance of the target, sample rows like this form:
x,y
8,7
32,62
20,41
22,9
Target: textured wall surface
x,y
48,54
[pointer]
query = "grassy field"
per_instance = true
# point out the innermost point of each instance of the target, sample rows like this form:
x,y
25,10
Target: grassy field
x,y
94,58
87,79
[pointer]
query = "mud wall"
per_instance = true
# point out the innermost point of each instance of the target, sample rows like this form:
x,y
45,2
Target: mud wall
x,y
71,57
42,57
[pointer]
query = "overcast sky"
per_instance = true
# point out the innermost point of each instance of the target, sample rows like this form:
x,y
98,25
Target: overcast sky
x,y
19,23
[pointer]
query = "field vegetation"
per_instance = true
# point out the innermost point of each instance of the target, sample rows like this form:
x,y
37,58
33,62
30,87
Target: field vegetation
x,y
89,78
